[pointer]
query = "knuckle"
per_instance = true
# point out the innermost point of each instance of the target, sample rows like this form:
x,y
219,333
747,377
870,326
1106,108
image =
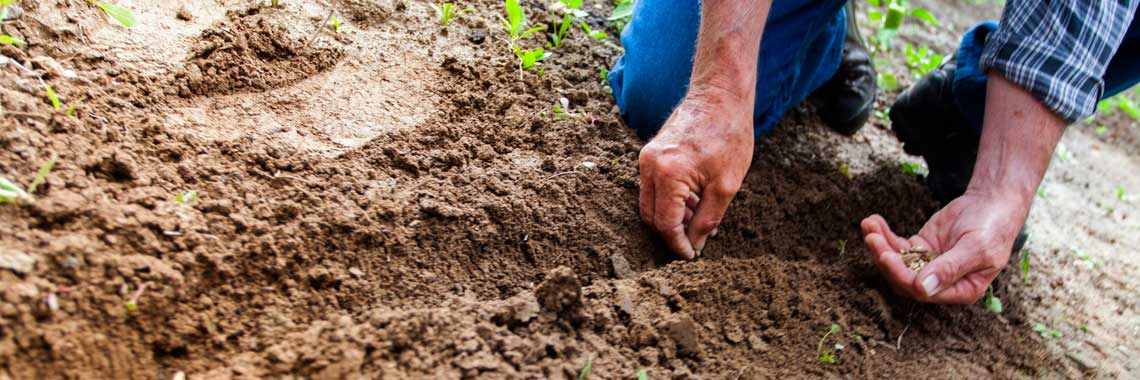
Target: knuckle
x,y
724,189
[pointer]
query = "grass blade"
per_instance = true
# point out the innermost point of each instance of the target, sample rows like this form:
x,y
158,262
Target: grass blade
x,y
9,40
120,14
43,173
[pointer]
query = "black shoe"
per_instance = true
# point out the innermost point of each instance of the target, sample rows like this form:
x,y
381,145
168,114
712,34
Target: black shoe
x,y
928,123
846,101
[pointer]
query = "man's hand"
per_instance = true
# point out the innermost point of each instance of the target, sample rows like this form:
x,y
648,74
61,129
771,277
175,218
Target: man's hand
x,y
974,235
975,232
693,168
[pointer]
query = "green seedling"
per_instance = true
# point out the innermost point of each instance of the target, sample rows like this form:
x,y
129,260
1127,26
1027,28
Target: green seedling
x,y
1046,331
585,372
892,19
120,14
530,58
561,109
622,14
52,96
11,192
70,111
595,34
187,197
913,169
571,7
845,170
9,40
1121,195
602,74
842,244
1025,266
826,357
335,26
643,375
1100,130
133,301
922,60
1041,192
516,22
559,35
887,81
447,12
42,174
991,302
274,3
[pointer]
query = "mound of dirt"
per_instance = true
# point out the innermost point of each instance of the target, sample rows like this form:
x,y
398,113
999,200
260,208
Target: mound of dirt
x,y
250,51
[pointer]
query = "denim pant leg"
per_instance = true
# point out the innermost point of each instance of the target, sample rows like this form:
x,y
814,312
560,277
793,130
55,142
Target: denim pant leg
x,y
1123,70
800,51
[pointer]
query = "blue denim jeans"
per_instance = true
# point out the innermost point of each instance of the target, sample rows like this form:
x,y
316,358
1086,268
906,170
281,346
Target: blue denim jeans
x,y
801,49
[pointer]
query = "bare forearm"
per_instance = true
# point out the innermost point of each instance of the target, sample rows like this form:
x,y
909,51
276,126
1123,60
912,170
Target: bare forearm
x,y
728,46
1018,138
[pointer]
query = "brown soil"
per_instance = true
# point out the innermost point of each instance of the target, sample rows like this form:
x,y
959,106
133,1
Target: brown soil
x,y
393,201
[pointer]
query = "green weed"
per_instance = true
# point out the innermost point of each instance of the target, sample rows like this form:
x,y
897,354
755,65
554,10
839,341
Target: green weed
x,y
1046,331
515,23
187,197
595,34
561,109
559,35
447,12
642,375
335,25
622,14
11,192
826,357
52,96
120,14
892,19
887,81
913,169
585,372
921,60
1100,130
9,40
842,244
991,302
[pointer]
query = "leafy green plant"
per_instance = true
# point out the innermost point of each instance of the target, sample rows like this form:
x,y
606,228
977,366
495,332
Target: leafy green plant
x,y
642,375
891,19
561,109
595,34
991,302
826,357
187,197
585,372
1046,331
913,168
11,192
622,14
1100,130
9,40
559,36
887,81
52,96
571,7
515,24
335,26
447,12
921,60
120,14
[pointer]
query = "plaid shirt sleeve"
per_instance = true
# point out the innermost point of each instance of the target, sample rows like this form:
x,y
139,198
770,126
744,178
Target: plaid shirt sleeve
x,y
1058,50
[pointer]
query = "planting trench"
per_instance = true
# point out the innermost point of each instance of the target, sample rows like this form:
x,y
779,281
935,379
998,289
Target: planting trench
x,y
393,201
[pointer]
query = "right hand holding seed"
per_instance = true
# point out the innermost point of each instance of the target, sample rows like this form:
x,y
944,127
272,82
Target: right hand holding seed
x,y
691,170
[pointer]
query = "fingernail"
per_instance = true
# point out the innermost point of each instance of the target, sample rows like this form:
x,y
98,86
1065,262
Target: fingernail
x,y
930,285
714,232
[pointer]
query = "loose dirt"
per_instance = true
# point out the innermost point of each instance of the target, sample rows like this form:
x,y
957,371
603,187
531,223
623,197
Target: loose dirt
x,y
394,201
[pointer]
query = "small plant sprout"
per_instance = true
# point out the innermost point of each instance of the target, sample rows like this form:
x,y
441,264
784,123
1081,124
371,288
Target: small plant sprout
x,y
991,302
42,174
602,74
447,12
1046,331
1024,266
643,375
133,300
335,26
595,34
52,96
561,109
559,36
515,23
9,40
921,60
622,14
11,192
120,14
826,357
585,372
187,197
1121,195
892,20
842,244
887,81
913,169
1100,130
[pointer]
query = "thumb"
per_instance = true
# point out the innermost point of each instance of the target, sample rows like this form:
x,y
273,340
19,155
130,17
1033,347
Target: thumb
x,y
944,272
710,211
